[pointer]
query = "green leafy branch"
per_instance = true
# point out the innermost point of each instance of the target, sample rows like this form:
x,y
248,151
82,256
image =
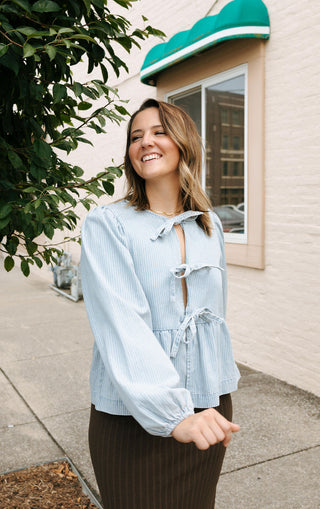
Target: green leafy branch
x,y
44,113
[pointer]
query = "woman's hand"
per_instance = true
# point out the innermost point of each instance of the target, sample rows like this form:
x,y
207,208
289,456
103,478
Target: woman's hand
x,y
204,429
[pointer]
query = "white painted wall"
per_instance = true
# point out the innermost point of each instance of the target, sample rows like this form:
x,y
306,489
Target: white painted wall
x,y
272,313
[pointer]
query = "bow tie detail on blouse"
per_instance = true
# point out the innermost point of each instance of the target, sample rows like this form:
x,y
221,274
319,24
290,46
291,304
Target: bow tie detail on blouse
x,y
184,269
167,226
188,329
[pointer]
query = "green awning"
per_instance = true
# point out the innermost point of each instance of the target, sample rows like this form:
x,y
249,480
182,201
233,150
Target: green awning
x,y
237,20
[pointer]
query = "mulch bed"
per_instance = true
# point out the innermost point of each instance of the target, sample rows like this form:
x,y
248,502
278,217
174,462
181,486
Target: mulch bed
x,y
50,486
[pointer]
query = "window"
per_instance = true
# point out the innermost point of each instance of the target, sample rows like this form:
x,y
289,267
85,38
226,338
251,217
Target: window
x,y
224,116
224,168
236,117
212,104
236,142
232,176
225,142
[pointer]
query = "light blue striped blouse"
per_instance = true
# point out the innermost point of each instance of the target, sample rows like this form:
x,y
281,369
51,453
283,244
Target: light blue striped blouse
x,y
152,357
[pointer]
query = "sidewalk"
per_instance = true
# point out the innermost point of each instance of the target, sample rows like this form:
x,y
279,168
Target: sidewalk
x,y
45,355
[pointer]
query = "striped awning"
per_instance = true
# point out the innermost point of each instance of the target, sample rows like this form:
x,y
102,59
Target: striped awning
x,y
237,20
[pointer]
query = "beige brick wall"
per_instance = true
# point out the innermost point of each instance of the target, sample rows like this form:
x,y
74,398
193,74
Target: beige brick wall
x,y
272,313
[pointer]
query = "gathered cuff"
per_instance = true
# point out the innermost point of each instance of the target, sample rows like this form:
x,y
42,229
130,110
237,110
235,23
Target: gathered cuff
x,y
183,415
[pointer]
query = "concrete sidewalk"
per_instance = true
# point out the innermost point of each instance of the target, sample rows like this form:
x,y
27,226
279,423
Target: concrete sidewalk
x,y
45,355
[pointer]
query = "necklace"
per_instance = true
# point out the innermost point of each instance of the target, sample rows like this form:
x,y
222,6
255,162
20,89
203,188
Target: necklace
x,y
168,214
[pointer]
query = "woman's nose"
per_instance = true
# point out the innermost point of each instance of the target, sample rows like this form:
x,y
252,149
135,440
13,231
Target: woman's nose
x,y
147,140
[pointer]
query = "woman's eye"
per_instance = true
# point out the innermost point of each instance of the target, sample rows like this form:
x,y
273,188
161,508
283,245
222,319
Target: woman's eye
x,y
135,138
160,132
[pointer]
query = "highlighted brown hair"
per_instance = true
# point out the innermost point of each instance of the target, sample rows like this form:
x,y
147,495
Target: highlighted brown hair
x,y
182,130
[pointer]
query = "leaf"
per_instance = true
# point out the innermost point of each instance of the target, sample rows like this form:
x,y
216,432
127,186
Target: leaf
x,y
104,73
121,109
48,230
4,222
25,268
10,60
78,171
83,140
114,170
8,263
38,261
15,160
83,36
23,4
32,32
65,30
90,92
84,105
85,204
43,150
12,245
125,42
37,172
45,6
87,3
77,89
156,32
59,92
98,3
124,3
108,187
31,247
5,210
98,87
51,50
3,49
28,207
28,50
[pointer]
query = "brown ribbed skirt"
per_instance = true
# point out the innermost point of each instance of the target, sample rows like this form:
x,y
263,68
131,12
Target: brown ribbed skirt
x,y
136,470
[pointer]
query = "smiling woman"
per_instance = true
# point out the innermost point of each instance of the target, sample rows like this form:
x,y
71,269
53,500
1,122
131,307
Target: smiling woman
x,y
154,284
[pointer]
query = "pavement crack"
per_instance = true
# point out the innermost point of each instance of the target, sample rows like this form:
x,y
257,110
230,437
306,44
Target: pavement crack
x,y
271,459
49,355
33,412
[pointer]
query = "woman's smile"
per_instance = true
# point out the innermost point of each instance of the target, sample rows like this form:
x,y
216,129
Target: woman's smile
x,y
150,157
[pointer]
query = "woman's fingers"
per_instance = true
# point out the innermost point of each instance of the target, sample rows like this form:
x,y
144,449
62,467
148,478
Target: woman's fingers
x,y
205,428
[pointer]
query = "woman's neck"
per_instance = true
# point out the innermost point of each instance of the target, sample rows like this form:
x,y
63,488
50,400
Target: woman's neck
x,y
164,199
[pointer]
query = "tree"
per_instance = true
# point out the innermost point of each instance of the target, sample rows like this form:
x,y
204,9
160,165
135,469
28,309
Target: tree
x,y
43,108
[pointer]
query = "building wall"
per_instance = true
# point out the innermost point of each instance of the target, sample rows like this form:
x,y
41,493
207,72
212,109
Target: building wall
x,y
272,313
278,330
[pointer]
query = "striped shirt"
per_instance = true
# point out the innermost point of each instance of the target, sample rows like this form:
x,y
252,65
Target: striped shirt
x,y
154,358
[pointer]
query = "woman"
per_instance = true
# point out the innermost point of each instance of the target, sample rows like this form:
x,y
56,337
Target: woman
x,y
154,283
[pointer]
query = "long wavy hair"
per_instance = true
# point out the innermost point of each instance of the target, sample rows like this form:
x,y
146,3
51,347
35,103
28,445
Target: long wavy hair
x,y
182,130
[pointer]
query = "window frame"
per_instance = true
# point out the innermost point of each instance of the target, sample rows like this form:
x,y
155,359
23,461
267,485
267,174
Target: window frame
x,y
202,85
224,57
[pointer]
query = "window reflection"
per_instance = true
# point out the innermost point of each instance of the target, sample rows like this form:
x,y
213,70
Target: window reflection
x,y
224,145
225,103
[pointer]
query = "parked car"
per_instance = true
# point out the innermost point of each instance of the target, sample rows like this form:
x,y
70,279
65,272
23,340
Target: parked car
x,y
230,218
240,207
237,230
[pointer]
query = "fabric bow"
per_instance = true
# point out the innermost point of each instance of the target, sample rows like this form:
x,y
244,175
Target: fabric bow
x,y
184,269
188,328
167,226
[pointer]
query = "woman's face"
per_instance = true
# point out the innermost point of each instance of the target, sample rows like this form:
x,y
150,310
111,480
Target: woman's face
x,y
153,154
